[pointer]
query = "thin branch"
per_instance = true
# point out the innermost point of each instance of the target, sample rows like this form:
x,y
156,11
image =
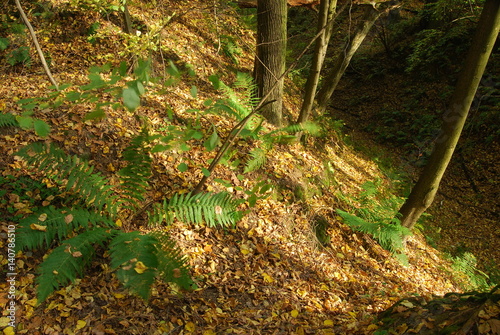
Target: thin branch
x,y
37,45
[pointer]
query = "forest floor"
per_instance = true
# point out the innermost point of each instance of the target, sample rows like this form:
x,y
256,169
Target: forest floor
x,y
268,275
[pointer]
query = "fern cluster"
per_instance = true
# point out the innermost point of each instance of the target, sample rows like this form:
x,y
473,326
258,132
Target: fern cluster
x,y
376,216
72,232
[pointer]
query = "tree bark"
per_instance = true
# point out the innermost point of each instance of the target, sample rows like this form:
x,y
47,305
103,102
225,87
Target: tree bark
x,y
424,191
37,45
369,17
326,14
270,59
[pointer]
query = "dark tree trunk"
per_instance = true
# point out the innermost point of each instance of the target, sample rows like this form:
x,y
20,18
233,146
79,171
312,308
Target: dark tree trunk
x,y
270,58
424,191
325,24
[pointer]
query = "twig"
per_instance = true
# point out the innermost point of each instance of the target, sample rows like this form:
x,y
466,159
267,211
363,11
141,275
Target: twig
x,y
37,45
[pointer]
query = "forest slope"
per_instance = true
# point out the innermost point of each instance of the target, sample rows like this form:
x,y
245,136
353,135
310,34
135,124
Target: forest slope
x,y
268,275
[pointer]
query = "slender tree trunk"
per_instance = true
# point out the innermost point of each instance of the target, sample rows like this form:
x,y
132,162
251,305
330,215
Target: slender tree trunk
x,y
326,15
370,16
127,19
423,193
37,45
270,58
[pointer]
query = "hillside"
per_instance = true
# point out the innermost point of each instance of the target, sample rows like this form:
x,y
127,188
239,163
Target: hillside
x,y
275,271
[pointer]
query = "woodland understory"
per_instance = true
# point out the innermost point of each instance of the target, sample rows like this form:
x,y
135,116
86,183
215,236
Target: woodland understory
x,y
280,254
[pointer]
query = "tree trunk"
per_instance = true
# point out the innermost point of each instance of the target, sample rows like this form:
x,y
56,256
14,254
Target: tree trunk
x,y
424,191
326,15
37,45
370,16
127,19
270,58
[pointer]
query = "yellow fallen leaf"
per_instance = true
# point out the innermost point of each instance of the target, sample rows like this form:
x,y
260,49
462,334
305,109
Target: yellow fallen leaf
x,y
119,296
294,313
140,267
80,324
118,223
267,278
9,331
35,226
209,332
42,217
328,322
4,321
190,327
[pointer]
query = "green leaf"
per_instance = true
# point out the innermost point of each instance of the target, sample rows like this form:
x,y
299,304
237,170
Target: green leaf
x,y
41,128
73,96
4,43
131,99
95,115
212,142
25,122
182,167
205,172
194,91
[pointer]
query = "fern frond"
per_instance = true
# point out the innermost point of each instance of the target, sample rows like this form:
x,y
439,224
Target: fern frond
x,y
172,265
219,208
135,257
8,120
389,235
238,104
136,174
75,175
258,159
66,262
285,133
50,224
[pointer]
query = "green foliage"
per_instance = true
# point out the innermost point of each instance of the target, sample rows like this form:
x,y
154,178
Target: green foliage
x,y
69,260
214,209
73,174
8,120
376,215
50,225
20,55
240,100
86,220
230,48
410,130
136,174
470,277
389,235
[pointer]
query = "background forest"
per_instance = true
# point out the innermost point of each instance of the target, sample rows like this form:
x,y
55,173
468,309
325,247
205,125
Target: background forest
x,y
211,167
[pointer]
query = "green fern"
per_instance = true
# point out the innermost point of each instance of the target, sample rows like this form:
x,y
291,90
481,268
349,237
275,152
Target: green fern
x,y
140,258
48,225
134,257
219,208
258,159
68,261
172,266
389,235
136,174
8,120
236,104
73,174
